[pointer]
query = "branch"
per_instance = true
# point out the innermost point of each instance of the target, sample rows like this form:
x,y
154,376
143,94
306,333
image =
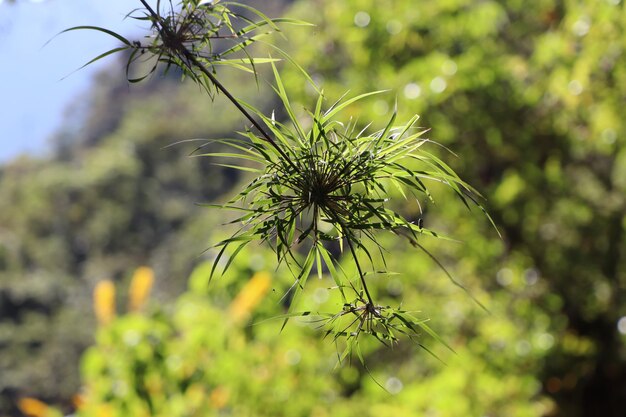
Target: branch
x,y
192,61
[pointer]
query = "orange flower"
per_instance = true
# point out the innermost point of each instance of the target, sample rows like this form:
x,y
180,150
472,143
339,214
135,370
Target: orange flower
x,y
140,287
250,296
104,301
33,407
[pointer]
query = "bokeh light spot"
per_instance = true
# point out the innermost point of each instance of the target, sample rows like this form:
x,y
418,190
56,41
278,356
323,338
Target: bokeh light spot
x,y
531,276
575,87
438,85
362,19
394,385
581,27
394,27
504,277
449,67
412,91
621,325
609,136
545,341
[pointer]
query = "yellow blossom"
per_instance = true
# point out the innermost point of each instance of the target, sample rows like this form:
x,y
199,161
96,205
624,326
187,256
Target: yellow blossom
x,y
140,287
32,407
250,296
104,301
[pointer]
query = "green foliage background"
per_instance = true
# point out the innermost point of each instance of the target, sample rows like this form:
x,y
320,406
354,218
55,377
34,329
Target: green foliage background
x,y
529,97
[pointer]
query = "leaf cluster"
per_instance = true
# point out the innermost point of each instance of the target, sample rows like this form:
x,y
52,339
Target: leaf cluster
x,y
323,183
194,37
320,181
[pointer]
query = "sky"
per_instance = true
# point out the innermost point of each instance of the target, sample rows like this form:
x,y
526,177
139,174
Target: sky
x,y
38,81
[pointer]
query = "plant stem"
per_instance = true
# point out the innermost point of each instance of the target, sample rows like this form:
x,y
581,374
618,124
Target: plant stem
x,y
358,267
239,107
193,62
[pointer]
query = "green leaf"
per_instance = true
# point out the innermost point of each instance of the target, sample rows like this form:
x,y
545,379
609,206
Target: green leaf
x,y
411,322
337,107
103,55
99,29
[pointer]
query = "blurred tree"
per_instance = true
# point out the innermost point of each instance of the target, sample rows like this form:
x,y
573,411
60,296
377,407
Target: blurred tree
x,y
531,98
201,357
111,199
